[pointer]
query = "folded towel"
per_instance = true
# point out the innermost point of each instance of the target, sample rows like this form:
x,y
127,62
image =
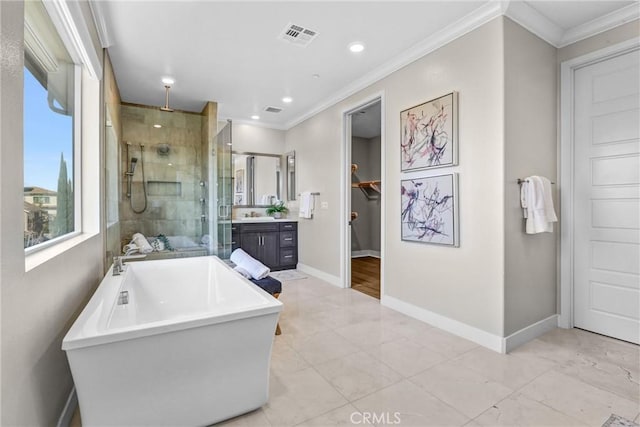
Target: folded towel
x,y
255,268
243,272
141,242
130,249
306,205
537,205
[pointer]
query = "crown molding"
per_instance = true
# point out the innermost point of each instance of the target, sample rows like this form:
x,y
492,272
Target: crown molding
x,y
599,25
254,123
97,10
534,21
466,24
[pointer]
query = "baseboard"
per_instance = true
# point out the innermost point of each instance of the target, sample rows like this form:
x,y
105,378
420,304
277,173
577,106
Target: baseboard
x,y
364,253
478,336
334,280
529,333
69,409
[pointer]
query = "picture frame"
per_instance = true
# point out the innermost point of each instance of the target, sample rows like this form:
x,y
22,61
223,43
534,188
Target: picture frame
x,y
429,134
239,181
429,209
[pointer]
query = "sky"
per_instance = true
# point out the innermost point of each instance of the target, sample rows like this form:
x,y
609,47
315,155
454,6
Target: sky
x,y
46,135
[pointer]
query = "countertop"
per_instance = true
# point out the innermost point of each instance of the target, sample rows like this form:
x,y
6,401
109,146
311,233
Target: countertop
x,y
257,220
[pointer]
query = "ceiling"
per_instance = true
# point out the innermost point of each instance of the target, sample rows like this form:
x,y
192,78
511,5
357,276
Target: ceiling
x,y
229,51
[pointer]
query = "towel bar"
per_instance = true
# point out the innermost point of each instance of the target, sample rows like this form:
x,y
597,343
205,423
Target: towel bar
x,y
313,194
520,181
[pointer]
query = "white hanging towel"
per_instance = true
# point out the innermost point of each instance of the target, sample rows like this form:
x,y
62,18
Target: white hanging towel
x,y
537,204
306,205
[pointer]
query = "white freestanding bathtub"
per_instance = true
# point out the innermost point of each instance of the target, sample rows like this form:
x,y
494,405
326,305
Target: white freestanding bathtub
x,y
191,346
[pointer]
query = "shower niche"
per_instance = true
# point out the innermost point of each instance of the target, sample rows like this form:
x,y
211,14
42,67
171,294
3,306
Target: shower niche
x,y
175,180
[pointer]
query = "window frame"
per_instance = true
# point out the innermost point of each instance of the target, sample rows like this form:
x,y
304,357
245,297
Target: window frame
x,y
73,27
76,142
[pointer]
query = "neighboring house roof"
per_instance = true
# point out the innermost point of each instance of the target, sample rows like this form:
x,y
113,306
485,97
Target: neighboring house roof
x,y
30,207
39,191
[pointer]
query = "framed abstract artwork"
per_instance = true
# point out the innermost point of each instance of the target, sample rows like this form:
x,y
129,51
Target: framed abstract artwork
x,y
429,134
429,212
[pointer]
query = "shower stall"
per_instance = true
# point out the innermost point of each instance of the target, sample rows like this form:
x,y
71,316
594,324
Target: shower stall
x,y
175,186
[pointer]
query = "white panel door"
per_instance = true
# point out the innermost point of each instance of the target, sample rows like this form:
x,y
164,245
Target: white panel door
x,y
607,197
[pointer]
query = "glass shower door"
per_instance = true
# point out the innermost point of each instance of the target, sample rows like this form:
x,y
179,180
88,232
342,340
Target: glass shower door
x,y
221,192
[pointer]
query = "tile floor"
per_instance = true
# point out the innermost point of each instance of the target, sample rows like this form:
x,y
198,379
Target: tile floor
x,y
344,360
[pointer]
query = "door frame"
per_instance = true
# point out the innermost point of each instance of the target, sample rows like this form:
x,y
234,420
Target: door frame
x,y
566,169
345,197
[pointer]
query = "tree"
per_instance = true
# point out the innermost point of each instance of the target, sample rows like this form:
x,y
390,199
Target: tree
x,y
64,222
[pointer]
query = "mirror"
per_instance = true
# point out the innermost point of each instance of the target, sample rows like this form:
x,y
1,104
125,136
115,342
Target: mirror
x,y
290,158
257,179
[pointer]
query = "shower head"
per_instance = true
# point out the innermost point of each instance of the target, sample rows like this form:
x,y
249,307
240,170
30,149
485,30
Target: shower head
x,y
166,101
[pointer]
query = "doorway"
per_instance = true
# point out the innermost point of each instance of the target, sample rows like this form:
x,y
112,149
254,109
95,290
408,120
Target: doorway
x,y
601,213
365,198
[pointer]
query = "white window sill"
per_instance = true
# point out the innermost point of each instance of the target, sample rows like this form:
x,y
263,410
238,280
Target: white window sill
x,y
40,256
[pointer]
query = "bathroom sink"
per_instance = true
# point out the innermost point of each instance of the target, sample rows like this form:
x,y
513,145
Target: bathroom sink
x,y
258,218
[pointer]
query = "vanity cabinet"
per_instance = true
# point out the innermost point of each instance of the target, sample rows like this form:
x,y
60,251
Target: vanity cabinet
x,y
273,244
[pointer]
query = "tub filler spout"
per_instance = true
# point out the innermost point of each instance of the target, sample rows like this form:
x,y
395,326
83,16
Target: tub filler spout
x,y
118,262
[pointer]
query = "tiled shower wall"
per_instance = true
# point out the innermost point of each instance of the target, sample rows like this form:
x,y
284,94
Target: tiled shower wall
x,y
173,190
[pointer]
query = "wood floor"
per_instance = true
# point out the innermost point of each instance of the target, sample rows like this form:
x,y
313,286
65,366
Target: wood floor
x,y
365,275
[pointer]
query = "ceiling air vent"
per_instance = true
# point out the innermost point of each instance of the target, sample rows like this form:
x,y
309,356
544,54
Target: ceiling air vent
x,y
298,35
272,109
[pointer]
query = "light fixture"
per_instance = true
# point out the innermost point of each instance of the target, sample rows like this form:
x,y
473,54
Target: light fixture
x,y
168,80
287,99
315,76
255,117
157,126
356,47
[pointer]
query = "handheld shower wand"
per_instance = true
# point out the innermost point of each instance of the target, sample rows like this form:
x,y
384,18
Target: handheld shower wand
x,y
132,168
130,173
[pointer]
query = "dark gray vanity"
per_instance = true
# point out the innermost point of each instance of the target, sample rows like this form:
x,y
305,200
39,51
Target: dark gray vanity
x,y
274,243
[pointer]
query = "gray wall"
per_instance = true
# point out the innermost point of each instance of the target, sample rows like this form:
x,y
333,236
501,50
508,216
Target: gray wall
x,y
500,280
365,231
257,139
530,149
466,283
38,305
600,41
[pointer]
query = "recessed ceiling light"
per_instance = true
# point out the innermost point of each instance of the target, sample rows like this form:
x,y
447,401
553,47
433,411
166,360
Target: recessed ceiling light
x,y
168,80
315,76
287,99
157,126
356,47
254,117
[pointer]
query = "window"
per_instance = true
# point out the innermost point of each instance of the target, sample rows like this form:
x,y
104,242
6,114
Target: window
x,y
50,84
41,200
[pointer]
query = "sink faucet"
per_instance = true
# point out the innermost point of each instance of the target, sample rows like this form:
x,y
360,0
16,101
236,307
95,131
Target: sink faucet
x,y
118,262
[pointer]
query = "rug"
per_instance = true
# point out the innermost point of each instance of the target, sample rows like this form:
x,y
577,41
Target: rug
x,y
618,421
285,275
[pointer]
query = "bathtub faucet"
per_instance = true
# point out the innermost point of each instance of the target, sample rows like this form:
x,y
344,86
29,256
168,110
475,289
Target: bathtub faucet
x,y
118,262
